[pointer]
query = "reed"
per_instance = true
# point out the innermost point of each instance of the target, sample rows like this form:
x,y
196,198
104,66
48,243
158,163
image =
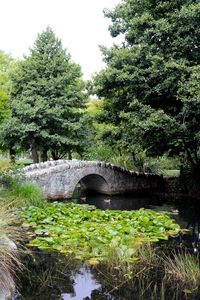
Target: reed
x,y
9,261
183,268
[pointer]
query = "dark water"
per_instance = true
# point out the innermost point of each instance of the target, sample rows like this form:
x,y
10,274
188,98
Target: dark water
x,y
52,276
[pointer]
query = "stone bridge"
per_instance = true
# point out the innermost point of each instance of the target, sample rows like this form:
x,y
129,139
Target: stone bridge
x,y
58,179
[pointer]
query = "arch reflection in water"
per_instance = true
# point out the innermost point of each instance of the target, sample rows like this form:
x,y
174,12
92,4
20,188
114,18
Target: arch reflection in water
x,y
118,202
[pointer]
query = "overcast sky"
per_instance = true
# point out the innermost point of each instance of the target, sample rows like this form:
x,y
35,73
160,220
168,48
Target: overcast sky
x,y
80,24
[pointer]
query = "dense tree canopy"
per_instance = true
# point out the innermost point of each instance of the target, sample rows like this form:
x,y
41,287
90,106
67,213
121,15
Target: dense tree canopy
x,y
5,61
151,81
46,99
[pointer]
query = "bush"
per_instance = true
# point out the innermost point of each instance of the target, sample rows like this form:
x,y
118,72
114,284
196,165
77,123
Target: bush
x,y
4,164
190,178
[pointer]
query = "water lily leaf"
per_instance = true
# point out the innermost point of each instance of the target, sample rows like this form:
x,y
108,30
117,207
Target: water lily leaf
x,y
91,233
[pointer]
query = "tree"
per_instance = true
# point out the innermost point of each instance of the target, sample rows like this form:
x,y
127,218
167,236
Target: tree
x,y
5,66
46,100
5,61
152,80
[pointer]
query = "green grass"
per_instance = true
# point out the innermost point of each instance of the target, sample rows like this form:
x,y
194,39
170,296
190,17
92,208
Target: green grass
x,y
171,173
24,162
25,195
20,195
12,197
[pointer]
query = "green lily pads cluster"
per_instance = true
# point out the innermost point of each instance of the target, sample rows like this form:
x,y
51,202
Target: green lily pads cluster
x,y
88,233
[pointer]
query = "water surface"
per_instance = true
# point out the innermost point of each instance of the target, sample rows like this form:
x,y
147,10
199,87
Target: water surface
x,y
53,276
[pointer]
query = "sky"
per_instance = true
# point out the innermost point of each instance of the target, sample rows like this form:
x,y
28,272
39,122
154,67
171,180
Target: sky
x,y
80,24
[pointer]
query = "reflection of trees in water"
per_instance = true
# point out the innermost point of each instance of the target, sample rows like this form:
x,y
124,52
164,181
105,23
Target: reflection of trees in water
x,y
49,276
46,276
190,214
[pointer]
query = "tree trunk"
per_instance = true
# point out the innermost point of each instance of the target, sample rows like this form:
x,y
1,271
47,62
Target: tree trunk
x,y
34,153
44,156
54,154
12,154
70,155
35,157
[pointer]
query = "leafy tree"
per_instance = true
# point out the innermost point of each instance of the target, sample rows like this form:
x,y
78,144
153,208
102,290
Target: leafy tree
x,y
46,101
152,80
5,61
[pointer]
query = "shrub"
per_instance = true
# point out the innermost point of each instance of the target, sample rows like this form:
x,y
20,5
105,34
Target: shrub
x,y
4,164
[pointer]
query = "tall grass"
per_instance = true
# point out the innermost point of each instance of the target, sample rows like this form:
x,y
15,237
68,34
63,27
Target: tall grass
x,y
12,191
20,195
151,273
184,268
9,261
25,195
129,267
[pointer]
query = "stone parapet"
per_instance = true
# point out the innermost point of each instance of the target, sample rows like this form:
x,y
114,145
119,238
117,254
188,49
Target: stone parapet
x,y
58,179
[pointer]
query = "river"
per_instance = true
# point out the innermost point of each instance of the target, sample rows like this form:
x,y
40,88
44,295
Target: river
x,y
50,276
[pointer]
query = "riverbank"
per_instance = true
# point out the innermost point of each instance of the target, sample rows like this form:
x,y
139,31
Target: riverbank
x,y
116,250
10,262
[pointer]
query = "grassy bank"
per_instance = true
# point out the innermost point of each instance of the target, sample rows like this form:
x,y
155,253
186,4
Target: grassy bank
x,y
12,197
9,258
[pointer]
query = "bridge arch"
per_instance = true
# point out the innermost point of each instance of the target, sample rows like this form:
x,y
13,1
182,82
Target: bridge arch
x,y
93,183
90,181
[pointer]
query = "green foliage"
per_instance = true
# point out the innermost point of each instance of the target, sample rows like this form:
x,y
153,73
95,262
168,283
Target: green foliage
x,y
5,62
101,152
4,164
11,191
102,149
151,82
189,181
94,107
46,100
89,233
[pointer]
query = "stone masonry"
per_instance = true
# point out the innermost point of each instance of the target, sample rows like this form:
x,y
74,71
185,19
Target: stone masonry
x,y
58,179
